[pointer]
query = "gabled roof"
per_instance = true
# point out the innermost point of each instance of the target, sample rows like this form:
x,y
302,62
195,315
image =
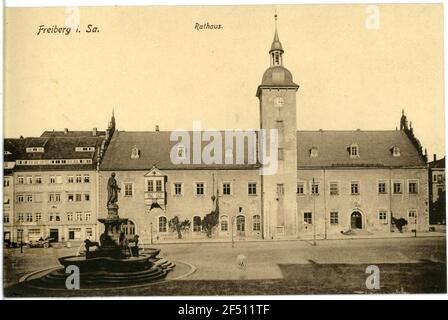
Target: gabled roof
x,y
54,148
439,164
72,133
154,150
375,149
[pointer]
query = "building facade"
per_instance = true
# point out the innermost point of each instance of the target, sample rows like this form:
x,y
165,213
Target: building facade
x,y
50,186
437,191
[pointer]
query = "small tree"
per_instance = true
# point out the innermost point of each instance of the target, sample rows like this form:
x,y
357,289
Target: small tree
x,y
399,223
179,226
209,222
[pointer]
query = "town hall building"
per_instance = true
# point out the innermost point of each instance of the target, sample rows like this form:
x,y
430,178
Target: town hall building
x,y
326,183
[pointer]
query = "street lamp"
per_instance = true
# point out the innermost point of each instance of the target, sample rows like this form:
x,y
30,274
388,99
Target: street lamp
x,y
232,230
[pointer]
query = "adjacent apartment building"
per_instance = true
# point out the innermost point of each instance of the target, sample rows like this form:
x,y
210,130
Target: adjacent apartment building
x,y
50,185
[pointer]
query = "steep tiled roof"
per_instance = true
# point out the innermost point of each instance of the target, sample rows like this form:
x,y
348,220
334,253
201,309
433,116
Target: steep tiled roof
x,y
438,163
72,133
375,149
154,148
54,148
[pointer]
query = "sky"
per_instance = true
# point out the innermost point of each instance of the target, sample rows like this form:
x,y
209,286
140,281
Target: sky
x,y
152,67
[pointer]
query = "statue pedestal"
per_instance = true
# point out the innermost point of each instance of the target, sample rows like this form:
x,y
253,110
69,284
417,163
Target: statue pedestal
x,y
110,239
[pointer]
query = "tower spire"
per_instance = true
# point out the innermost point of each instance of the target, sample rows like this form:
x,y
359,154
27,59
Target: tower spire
x,y
276,51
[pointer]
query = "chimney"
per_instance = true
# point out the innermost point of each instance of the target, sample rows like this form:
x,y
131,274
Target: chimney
x,y
435,157
65,130
157,128
94,132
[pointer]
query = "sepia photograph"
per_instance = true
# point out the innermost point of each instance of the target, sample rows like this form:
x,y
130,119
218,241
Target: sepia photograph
x,y
223,150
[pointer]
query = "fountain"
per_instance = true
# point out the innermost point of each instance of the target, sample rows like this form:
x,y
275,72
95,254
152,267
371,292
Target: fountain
x,y
115,260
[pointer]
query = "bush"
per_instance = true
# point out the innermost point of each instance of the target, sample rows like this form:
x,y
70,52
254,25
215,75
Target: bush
x,y
399,223
179,226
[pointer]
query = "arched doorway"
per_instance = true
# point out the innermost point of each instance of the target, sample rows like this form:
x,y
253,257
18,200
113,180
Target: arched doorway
x,y
240,225
356,220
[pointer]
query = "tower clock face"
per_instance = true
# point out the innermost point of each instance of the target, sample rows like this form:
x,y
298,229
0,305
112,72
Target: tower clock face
x,y
278,102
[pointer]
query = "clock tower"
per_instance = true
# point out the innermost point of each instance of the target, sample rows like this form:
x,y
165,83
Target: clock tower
x,y
277,95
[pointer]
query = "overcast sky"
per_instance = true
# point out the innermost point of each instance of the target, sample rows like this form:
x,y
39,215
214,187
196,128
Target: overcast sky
x,y
153,67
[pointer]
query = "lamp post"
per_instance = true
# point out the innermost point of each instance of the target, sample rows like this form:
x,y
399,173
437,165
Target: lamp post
x,y
150,232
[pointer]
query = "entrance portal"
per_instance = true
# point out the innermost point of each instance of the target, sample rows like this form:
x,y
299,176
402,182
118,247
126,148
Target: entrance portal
x,y
356,220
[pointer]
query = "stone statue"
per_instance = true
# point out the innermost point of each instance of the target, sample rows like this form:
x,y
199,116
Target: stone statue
x,y
112,190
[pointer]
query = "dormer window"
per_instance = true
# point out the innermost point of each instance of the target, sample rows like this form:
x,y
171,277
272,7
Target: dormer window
x,y
314,152
354,150
34,149
135,153
396,151
6,153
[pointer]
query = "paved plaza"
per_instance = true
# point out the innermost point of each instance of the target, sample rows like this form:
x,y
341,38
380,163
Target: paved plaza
x,y
274,267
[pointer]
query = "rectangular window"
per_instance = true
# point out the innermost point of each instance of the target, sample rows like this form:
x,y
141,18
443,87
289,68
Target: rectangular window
x,y
70,179
88,215
86,196
29,198
29,217
397,187
79,216
334,217
57,217
199,188
252,189
308,217
29,180
315,188
38,217
300,188
5,218
280,189
69,216
128,189
334,188
52,179
89,233
413,187
70,197
382,188
20,217
6,182
178,189
20,198
280,154
20,180
78,197
86,178
78,178
38,180
226,188
354,188
150,185
158,185
382,216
